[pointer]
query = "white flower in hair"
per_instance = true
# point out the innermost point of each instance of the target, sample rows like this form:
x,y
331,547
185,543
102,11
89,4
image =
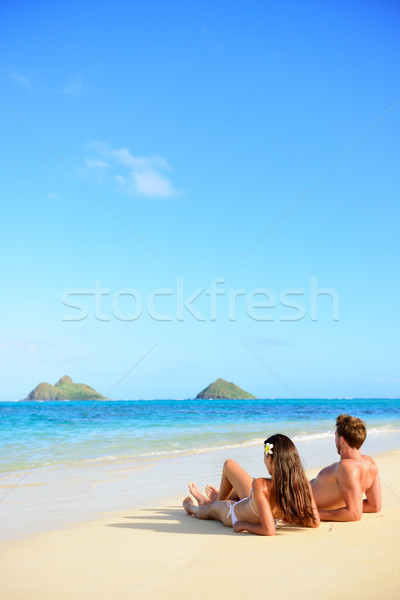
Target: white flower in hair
x,y
268,448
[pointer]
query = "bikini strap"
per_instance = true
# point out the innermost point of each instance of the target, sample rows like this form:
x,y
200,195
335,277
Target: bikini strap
x,y
230,511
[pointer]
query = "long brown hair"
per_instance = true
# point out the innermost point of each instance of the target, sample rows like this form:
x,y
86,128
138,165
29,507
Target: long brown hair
x,y
290,488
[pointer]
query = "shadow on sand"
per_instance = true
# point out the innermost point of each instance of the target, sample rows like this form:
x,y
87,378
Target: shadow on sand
x,y
172,520
176,520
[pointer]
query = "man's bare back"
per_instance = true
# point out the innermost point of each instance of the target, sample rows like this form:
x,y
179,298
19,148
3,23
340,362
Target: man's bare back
x,y
339,489
326,486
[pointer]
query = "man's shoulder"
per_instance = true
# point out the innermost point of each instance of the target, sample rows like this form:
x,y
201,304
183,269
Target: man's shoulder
x,y
372,466
329,470
368,459
348,466
364,461
348,463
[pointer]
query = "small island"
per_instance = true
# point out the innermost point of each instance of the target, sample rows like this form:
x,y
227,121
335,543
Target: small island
x,y
224,390
64,389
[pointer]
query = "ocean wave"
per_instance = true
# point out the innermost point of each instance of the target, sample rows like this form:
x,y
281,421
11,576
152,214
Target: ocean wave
x,y
166,453
383,429
157,454
303,437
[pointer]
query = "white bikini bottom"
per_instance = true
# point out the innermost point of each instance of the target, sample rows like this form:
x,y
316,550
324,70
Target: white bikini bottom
x,y
231,511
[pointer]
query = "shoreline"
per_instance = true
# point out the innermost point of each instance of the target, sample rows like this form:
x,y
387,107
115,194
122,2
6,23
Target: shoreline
x,y
52,498
159,551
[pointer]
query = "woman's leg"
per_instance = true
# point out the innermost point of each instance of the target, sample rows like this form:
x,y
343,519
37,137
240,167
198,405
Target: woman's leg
x,y
234,479
218,511
194,490
235,483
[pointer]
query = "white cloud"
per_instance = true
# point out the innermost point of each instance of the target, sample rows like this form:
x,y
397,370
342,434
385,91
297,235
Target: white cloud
x,y
151,183
19,78
96,163
19,345
74,86
136,175
53,196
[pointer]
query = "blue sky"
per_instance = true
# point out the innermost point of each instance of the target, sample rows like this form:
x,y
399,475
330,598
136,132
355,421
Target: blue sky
x,y
159,152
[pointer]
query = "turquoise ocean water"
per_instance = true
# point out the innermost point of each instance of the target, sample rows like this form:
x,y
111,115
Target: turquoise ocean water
x,y
37,434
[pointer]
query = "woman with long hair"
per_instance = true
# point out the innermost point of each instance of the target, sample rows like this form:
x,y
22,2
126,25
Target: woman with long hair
x,y
287,495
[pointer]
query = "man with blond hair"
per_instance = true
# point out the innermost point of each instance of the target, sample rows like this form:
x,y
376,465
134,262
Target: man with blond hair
x,y
339,489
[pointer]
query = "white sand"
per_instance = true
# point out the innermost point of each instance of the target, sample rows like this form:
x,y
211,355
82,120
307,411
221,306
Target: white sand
x,y
50,498
160,552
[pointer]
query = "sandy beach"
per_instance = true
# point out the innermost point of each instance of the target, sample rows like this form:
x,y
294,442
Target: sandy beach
x,y
158,551
200,241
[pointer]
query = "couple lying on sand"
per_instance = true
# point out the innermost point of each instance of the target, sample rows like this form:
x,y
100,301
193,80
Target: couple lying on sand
x,y
336,494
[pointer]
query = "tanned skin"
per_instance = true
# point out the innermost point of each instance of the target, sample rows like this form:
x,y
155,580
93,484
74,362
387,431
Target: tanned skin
x,y
236,483
339,489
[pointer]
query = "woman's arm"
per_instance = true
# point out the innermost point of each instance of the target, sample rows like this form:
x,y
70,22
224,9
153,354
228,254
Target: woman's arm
x,y
315,509
267,524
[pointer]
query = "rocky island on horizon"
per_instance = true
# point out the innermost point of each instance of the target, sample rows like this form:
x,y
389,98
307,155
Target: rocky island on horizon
x,y
224,390
64,389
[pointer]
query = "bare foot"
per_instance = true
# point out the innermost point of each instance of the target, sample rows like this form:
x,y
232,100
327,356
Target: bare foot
x,y
194,490
212,493
187,505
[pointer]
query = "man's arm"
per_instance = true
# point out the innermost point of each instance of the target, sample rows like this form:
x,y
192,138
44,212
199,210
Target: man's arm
x,y
373,502
350,488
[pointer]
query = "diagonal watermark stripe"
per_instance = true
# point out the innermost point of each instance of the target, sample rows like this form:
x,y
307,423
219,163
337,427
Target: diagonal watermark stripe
x,y
82,181
390,489
131,369
287,386
335,164
29,471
